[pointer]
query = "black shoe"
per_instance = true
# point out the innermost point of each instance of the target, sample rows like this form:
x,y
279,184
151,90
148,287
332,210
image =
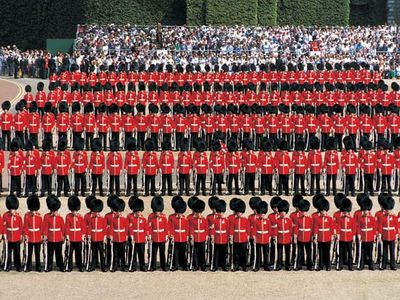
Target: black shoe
x,y
393,268
204,269
244,269
225,269
28,270
351,268
164,269
81,269
195,269
39,270
353,194
61,269
101,194
328,268
236,268
256,269
173,269
58,194
143,269
42,195
371,268
278,269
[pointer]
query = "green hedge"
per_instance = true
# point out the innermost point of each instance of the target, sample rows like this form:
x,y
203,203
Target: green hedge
x,y
227,12
196,12
368,12
267,12
313,12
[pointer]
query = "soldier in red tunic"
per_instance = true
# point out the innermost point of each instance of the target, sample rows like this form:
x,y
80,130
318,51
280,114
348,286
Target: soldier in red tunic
x,y
138,233
75,231
166,164
53,234
300,166
63,164
346,227
118,234
219,232
33,232
114,167
199,233
200,167
158,232
217,167
132,166
6,121
15,168
179,235
366,232
303,236
150,168
13,226
97,166
284,231
265,166
331,165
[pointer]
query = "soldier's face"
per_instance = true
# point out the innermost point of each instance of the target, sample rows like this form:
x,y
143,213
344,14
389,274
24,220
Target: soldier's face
x,y
138,213
282,214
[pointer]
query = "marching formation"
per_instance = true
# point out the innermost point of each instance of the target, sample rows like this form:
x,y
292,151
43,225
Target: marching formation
x,y
263,240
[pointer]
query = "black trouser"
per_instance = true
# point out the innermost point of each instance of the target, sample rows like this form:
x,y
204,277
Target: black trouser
x,y
179,255
140,140
114,182
307,140
166,181
220,254
150,180
280,256
299,180
103,140
366,254
132,179
368,183
119,256
6,135
386,184
217,180
115,136
388,247
62,135
19,135
46,184
15,249
300,259
338,141
62,182
261,256
201,180
252,252
249,183
80,183
331,179
89,140
75,137
97,249
31,184
75,247
138,254
324,259
315,178
283,184
184,184
231,178
54,248
345,254
240,255
178,140
350,187
378,180
258,141
199,255
97,179
33,247
34,138
16,185
154,138
274,141
127,136
155,248
193,138
208,140
48,136
288,138
266,183
272,254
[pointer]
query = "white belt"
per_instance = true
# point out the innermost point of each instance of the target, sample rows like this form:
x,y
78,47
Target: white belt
x,y
366,229
33,229
266,165
220,231
283,165
331,164
233,165
78,165
61,166
262,232
119,230
46,166
54,229
180,230
324,229
345,230
274,226
150,165
114,123
251,164
283,231
305,229
386,165
47,124
138,230
114,166
29,166
14,166
12,229
349,165
202,165
315,165
21,123
298,125
388,228
132,165
339,125
166,165
240,230
199,231
184,165
75,229
369,164
158,230
217,165
299,165
97,230
96,165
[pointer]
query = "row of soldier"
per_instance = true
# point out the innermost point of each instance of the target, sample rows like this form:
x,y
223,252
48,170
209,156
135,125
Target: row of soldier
x,y
269,241
276,172
248,123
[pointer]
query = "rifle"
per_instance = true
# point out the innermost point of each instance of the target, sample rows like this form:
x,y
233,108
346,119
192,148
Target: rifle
x,y
255,255
9,182
89,258
398,250
126,181
177,180
44,252
337,250
160,181
191,247
112,255
334,253
3,252
231,255
67,255
143,175
316,255
296,259
172,254
89,181
212,255
211,180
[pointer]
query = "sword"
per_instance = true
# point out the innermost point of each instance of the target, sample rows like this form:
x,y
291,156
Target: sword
x,y
172,254
296,255
126,181
112,255
149,254
6,254
132,255
231,256
255,255
211,180
191,256
25,255
67,254
359,256
44,252
316,254
212,255
143,175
